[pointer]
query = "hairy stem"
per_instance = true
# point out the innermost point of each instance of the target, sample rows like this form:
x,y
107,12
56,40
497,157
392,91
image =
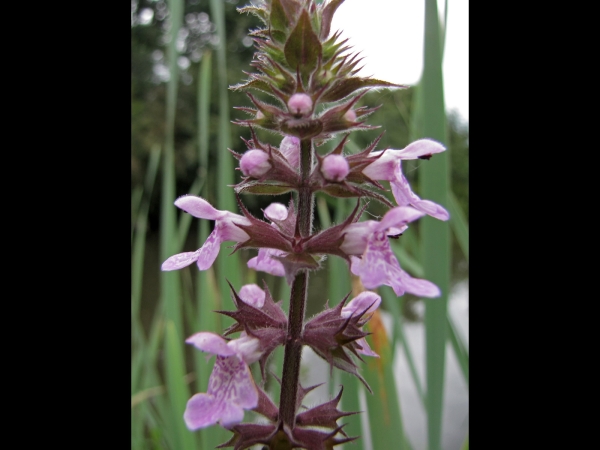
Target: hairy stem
x,y
293,348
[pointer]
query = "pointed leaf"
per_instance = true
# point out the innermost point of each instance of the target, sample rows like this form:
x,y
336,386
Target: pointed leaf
x,y
347,86
303,48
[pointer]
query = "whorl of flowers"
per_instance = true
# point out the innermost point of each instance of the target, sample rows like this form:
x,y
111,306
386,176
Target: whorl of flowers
x,y
313,87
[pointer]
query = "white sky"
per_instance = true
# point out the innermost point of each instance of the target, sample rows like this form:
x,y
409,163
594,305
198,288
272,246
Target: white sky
x,y
389,34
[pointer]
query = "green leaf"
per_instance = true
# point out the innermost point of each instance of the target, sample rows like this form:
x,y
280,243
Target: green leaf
x,y
434,185
347,86
459,225
278,19
303,48
262,189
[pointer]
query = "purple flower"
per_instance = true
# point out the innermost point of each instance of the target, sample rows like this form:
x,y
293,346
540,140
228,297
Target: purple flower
x,y
231,388
378,265
364,303
388,167
225,230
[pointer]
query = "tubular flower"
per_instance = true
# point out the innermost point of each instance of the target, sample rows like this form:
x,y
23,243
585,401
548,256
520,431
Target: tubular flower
x,y
388,167
225,230
231,388
378,265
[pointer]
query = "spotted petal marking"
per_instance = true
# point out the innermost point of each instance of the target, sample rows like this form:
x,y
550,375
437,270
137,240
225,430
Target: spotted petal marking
x,y
230,391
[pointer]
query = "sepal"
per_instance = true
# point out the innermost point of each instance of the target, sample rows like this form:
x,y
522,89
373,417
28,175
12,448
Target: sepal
x,y
325,415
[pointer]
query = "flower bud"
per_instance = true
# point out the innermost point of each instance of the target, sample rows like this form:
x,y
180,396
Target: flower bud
x,y
290,148
350,115
255,163
335,168
300,104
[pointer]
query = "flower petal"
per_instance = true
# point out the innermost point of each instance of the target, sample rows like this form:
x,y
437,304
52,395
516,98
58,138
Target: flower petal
x,y
360,303
180,260
231,383
419,287
383,167
210,249
398,217
264,263
422,147
377,264
366,349
211,343
276,211
198,207
201,411
252,295
405,196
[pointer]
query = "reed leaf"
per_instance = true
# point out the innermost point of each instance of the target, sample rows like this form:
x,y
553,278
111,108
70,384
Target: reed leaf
x,y
459,224
430,121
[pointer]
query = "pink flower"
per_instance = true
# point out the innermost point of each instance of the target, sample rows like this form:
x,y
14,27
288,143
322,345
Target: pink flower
x,y
378,265
231,388
225,230
388,167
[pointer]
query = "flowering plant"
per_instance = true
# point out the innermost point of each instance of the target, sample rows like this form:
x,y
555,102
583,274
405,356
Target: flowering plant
x,y
315,85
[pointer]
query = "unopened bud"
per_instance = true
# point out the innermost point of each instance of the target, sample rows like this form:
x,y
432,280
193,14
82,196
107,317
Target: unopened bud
x,y
350,115
290,148
335,167
255,163
300,104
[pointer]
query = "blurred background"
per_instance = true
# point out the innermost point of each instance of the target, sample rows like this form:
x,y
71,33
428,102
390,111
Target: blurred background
x,y
184,56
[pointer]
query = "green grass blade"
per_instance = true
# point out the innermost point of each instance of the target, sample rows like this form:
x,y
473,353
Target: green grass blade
x,y
430,122
462,355
141,221
459,225
177,387
228,267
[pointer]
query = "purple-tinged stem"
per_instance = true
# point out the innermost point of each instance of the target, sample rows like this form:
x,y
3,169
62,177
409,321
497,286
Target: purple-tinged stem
x,y
293,347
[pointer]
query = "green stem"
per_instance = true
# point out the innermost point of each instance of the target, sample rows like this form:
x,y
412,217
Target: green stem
x,y
293,347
